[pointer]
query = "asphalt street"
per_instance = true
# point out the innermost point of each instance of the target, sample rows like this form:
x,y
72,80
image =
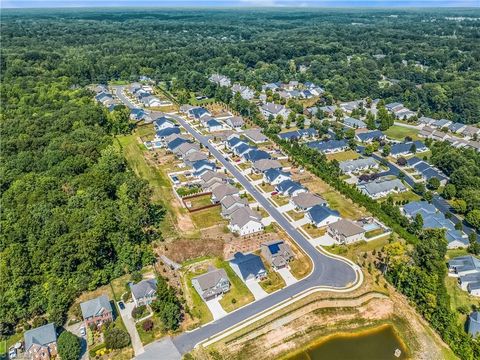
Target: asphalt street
x,y
327,272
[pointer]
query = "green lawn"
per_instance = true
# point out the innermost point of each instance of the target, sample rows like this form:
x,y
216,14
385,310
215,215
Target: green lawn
x,y
200,201
149,336
273,282
3,348
406,195
460,298
400,132
207,218
352,251
255,177
280,200
198,309
295,215
313,231
267,188
239,295
343,156
337,202
373,233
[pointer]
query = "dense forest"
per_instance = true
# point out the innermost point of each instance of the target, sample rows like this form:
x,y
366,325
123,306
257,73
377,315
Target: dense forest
x,y
74,216
427,59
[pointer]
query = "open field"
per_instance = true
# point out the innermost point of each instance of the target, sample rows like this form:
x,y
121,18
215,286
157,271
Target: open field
x,y
209,217
344,155
313,231
403,196
400,132
239,295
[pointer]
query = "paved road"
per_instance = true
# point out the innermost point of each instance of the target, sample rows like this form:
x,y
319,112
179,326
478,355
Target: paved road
x,y
122,97
328,271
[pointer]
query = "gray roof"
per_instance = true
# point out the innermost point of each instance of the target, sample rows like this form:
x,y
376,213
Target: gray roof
x,y
195,156
376,187
307,200
465,263
352,165
354,122
346,228
255,135
243,215
230,200
273,108
473,325
235,121
208,175
95,306
223,190
144,288
423,207
210,278
42,335
265,164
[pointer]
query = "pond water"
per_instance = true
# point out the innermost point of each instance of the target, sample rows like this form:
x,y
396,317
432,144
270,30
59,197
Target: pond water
x,y
376,344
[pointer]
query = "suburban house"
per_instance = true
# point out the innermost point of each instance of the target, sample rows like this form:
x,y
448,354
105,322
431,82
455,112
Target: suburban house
x,y
345,231
211,284
255,155
407,148
328,110
277,253
349,106
186,148
214,125
201,166
321,216
362,164
369,136
41,342
172,145
354,123
144,292
163,123
404,114
470,131
473,323
220,80
162,134
221,190
137,114
275,176
381,187
210,178
233,141
289,188
442,123
436,220
235,122
298,134
197,113
255,135
248,267
271,109
329,147
464,265
427,172
193,157
263,165
395,106
426,120
244,91
305,201
244,221
231,203
242,149
97,311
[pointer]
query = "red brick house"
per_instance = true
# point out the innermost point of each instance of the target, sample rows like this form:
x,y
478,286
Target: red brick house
x,y
41,342
97,311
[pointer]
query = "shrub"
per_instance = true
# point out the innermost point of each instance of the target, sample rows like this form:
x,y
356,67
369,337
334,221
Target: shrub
x,y
116,338
147,325
69,347
139,311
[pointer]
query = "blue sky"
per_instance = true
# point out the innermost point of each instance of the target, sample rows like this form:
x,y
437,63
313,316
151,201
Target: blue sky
x,y
238,3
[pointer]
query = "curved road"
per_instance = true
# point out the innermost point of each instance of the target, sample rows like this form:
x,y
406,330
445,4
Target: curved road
x,y
328,271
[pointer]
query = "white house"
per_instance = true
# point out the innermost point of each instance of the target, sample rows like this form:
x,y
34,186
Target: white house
x,y
244,221
346,232
275,176
274,109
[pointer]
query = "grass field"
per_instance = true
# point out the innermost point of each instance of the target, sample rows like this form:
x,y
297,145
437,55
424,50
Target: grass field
x,y
267,188
295,215
400,132
280,200
239,295
198,308
149,336
404,196
343,156
207,218
352,251
273,282
460,299
200,201
313,231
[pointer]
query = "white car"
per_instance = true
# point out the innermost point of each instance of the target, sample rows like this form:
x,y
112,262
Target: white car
x,y
83,332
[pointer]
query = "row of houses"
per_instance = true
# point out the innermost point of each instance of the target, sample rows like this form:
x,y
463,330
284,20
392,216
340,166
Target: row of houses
x,y
105,97
434,219
468,141
294,89
468,132
222,80
400,111
425,170
144,95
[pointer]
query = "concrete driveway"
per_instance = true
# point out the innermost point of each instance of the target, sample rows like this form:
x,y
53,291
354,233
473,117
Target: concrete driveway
x,y
129,322
325,240
287,276
215,308
256,289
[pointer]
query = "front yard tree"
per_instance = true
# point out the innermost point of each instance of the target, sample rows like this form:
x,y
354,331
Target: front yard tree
x,y
386,150
450,191
116,338
69,347
473,218
433,183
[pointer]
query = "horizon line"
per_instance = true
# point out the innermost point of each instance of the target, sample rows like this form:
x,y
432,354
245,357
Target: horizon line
x,y
400,7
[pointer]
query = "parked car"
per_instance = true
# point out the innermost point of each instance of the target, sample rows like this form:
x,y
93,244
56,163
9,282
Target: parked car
x,y
83,331
121,305
274,193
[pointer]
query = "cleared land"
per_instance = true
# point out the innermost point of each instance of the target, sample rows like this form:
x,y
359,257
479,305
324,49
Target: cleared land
x,y
400,132
343,156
